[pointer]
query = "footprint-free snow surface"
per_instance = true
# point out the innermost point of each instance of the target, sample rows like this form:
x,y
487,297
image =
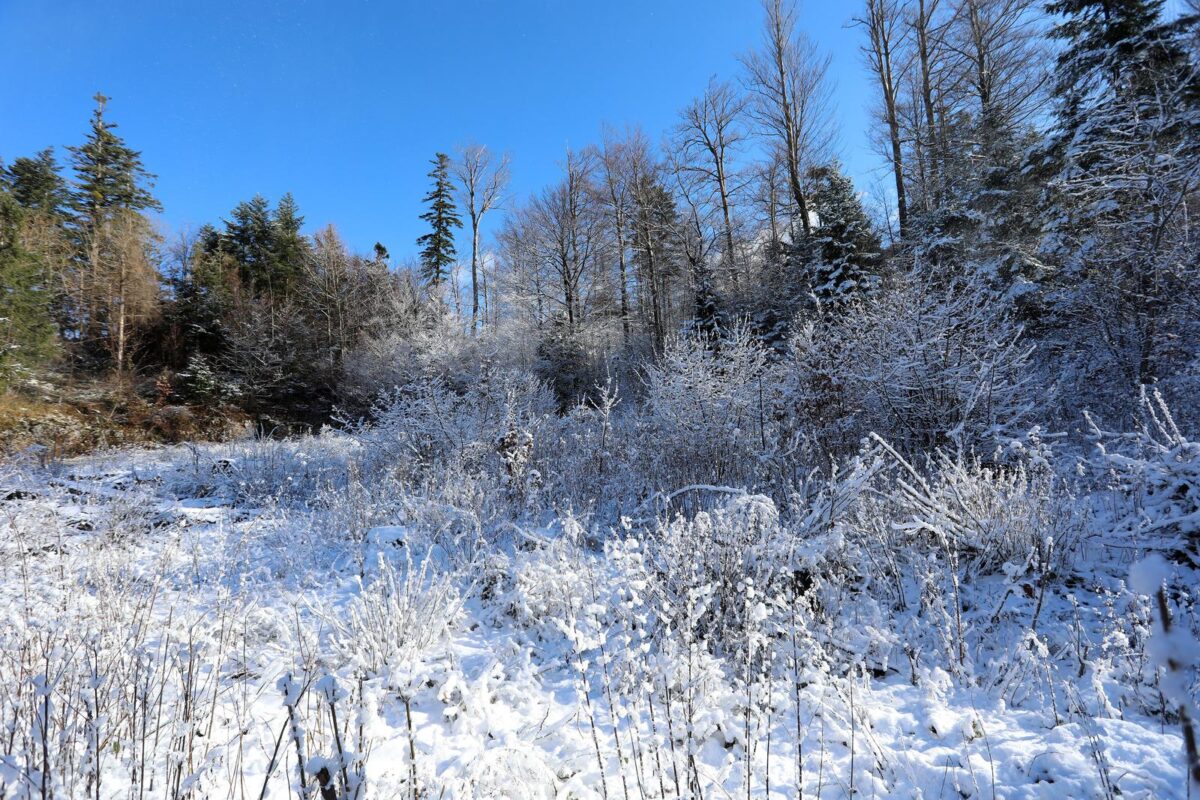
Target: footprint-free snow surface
x,y
258,620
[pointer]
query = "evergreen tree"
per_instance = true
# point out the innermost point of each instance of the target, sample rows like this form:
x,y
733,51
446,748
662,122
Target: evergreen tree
x,y
250,239
843,247
201,297
290,247
563,363
37,186
1121,164
655,228
35,183
706,305
1118,56
266,245
27,329
110,175
1099,34
117,286
437,246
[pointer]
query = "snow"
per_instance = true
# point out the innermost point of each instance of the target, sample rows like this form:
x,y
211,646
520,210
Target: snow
x,y
255,614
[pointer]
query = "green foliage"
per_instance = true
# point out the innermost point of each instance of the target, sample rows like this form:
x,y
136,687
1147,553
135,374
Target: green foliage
x,y
264,248
707,318
27,329
845,247
289,247
35,183
1096,32
564,365
437,246
110,175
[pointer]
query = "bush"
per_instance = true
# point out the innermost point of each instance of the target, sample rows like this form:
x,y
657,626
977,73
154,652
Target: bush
x,y
710,410
927,368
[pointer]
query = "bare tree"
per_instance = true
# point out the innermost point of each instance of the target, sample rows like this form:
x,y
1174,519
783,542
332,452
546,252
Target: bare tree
x,y
706,137
614,192
882,21
927,41
769,193
1004,57
697,232
787,76
335,292
569,229
482,179
523,281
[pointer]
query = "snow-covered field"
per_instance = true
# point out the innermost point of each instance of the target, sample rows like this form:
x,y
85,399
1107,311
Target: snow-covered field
x,y
192,622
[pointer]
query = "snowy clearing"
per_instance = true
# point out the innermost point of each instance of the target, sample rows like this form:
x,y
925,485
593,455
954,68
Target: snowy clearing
x,y
183,624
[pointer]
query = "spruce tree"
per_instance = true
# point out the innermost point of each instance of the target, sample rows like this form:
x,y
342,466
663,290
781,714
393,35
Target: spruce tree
x,y
110,175
250,239
266,246
844,248
437,246
290,246
706,305
201,296
1120,165
35,183
655,226
118,284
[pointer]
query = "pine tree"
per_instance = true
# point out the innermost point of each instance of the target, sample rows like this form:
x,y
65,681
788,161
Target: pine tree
x,y
437,246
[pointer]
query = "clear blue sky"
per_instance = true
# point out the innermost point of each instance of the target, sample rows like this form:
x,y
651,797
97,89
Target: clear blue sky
x,y
343,103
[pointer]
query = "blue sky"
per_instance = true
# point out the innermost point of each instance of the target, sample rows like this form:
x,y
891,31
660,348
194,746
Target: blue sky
x,y
343,103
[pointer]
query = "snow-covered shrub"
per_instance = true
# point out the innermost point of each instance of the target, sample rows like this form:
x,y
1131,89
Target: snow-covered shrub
x,y
395,619
600,455
926,367
427,346
1156,472
713,554
709,410
490,426
990,516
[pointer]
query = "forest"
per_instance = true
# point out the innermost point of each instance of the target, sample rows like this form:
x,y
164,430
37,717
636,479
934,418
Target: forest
x,y
700,472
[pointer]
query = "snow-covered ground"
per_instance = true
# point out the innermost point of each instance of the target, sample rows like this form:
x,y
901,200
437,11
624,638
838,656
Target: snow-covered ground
x,y
192,621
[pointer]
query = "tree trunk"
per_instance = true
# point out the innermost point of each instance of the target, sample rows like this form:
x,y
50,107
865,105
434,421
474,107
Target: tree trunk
x,y
924,17
474,272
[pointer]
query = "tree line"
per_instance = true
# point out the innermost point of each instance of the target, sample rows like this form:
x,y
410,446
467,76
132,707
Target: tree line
x,y
1041,157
